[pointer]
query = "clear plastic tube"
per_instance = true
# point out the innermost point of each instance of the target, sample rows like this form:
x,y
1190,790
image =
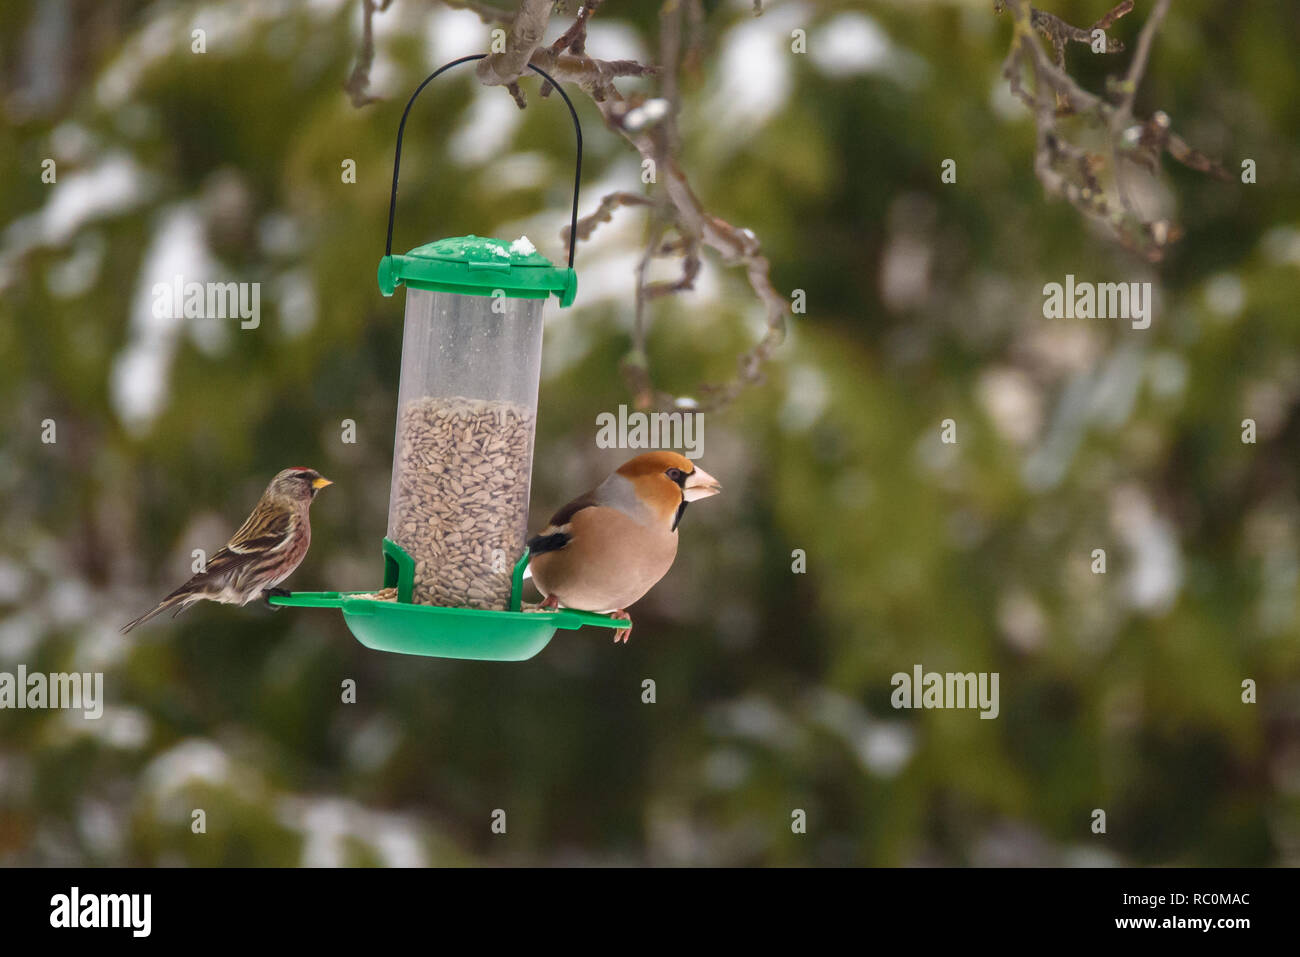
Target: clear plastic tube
x,y
462,460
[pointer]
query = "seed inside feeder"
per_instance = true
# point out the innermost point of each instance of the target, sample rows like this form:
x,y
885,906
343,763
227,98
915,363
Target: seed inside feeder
x,y
467,407
460,508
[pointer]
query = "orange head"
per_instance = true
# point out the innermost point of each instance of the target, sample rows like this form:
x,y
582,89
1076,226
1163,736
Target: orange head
x,y
667,481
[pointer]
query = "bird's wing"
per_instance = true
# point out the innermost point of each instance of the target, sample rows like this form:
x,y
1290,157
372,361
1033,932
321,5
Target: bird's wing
x,y
263,531
220,564
565,515
556,535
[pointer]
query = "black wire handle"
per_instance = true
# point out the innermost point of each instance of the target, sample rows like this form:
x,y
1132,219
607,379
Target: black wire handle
x,y
401,128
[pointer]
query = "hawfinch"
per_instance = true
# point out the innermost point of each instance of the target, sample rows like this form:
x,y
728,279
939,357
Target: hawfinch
x,y
607,548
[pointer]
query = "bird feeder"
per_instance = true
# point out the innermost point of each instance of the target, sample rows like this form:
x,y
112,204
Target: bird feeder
x,y
463,451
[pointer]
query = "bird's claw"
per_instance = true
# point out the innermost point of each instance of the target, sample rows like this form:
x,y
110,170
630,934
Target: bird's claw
x,y
623,634
269,593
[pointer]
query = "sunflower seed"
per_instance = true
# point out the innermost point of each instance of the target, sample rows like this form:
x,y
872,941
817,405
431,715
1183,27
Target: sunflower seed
x,y
461,497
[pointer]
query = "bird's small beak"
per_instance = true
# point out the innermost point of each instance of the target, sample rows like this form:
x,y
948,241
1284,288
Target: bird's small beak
x,y
320,483
700,484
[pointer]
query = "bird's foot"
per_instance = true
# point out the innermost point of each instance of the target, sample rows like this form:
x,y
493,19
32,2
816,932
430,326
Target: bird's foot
x,y
623,634
549,603
269,593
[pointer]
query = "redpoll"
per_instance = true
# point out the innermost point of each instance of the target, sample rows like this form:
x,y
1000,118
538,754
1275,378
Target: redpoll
x,y
264,552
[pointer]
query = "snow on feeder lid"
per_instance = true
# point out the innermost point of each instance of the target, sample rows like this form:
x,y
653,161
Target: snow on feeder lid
x,y
477,266
462,458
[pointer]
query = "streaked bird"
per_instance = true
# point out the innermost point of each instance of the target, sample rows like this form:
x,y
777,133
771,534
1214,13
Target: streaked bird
x,y
270,544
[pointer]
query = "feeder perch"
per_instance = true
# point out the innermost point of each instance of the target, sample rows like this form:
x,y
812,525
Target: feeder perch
x,y
463,452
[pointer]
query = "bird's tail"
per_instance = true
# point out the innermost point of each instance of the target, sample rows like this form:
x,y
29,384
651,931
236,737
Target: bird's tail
x,y
182,597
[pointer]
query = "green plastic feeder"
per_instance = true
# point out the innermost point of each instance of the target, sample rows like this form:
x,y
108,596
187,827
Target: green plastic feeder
x,y
410,629
462,458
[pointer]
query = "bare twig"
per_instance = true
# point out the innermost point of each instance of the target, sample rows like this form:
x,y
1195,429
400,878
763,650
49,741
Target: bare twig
x,y
358,81
1071,171
604,213
1108,19
1137,69
684,213
1059,33
596,77
574,39
523,38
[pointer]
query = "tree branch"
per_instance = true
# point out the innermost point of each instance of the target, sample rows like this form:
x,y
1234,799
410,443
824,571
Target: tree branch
x,y
1138,68
1069,170
574,39
652,133
525,35
358,81
604,213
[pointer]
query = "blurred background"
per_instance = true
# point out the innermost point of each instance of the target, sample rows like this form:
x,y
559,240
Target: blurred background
x,y
1119,691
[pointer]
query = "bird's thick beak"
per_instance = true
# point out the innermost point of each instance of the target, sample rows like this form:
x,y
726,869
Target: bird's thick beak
x,y
320,483
700,484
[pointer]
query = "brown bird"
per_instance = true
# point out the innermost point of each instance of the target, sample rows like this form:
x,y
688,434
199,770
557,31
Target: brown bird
x,y
270,544
607,548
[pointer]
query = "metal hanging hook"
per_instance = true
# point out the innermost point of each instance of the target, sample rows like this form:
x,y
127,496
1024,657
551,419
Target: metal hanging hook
x,y
401,129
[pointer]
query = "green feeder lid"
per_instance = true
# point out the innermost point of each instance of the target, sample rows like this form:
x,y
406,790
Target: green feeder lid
x,y
436,632
479,266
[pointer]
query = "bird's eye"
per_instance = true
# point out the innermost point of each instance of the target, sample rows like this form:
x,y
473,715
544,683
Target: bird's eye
x,y
677,475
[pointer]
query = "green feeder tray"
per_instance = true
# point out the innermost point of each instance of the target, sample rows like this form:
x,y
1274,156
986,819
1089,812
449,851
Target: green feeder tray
x,y
435,632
